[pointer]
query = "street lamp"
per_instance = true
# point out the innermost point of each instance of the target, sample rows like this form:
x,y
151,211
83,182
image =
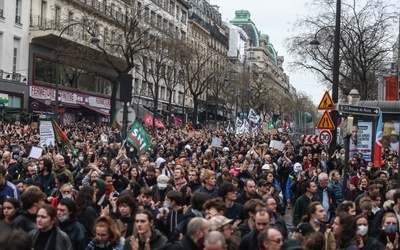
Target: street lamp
x,y
94,40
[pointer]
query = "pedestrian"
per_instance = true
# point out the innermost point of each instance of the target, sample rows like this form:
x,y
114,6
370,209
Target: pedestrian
x,y
9,213
106,234
344,228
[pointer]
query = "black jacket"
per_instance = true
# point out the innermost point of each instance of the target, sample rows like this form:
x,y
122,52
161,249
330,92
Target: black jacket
x,y
280,223
331,199
242,198
25,221
249,241
76,233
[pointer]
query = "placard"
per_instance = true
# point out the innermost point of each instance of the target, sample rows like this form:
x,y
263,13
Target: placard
x,y
36,152
277,145
216,142
46,134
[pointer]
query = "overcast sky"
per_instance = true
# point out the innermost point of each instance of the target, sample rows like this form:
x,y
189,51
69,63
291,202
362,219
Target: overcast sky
x,y
276,19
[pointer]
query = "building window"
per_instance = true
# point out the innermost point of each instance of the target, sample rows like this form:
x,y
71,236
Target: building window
x,y
1,8
18,11
15,60
162,94
183,16
14,101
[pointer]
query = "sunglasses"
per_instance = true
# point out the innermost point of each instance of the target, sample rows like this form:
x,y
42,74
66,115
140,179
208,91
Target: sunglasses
x,y
277,241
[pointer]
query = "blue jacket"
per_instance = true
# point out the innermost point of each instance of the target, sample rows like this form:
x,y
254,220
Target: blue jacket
x,y
9,190
337,188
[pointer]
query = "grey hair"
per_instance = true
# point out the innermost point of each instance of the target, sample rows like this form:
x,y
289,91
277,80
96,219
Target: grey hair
x,y
195,225
322,175
214,237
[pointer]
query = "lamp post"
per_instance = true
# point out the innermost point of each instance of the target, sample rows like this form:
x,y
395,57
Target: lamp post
x,y
94,40
335,73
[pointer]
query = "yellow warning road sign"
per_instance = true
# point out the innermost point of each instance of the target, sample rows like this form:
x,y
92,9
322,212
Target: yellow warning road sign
x,y
326,102
326,122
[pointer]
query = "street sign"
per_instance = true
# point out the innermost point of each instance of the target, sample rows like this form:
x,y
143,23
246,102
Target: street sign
x,y
326,122
131,116
326,102
311,139
359,110
325,137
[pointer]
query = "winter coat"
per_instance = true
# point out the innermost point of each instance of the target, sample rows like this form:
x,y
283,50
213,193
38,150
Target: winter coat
x,y
249,241
25,221
76,233
156,241
337,189
300,207
62,240
242,198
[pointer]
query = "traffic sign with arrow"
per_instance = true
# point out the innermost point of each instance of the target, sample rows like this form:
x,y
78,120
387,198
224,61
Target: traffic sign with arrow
x,y
359,110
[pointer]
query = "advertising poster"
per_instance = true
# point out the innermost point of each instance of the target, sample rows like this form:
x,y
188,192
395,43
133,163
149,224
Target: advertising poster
x,y
390,137
364,140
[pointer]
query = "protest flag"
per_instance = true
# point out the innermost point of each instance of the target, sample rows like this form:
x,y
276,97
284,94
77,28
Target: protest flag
x,y
148,121
178,121
61,138
253,117
139,138
378,143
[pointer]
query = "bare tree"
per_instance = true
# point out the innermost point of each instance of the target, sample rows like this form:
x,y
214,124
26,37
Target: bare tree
x,y
125,34
198,72
367,34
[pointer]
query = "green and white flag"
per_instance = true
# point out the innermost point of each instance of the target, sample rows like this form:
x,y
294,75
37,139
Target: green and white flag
x,y
139,138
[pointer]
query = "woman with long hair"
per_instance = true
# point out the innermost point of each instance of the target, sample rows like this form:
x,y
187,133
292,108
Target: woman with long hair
x,y
345,228
47,235
107,236
134,174
334,183
315,215
364,241
85,211
8,213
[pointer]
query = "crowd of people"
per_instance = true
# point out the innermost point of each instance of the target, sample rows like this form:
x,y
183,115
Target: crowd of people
x,y
185,192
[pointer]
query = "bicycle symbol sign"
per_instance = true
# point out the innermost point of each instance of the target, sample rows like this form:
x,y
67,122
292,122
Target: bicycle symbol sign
x,y
325,137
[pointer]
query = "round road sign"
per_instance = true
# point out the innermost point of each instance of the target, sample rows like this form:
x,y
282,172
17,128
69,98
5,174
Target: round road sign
x,y
131,116
325,137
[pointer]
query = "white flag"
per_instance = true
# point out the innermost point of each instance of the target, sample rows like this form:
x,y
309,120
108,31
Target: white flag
x,y
253,116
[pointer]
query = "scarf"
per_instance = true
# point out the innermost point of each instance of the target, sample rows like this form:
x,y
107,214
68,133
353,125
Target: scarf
x,y
180,183
95,244
130,221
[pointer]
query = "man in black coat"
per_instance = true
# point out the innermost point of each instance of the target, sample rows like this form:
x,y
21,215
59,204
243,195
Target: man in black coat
x,y
197,230
262,220
327,196
249,192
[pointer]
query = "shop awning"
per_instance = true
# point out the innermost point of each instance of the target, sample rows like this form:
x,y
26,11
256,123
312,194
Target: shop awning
x,y
101,111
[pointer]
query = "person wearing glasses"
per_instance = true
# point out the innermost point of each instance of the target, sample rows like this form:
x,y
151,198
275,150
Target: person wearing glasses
x,y
276,219
270,239
262,219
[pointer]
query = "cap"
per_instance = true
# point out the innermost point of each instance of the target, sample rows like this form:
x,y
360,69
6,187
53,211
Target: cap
x,y
27,181
217,222
261,182
126,160
265,167
297,167
304,229
188,147
225,149
162,181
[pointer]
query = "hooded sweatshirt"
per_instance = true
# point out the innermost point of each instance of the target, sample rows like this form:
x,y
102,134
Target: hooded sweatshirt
x,y
66,172
101,198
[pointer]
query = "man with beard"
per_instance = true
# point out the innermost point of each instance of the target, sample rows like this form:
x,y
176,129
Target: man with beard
x,y
46,177
59,168
7,189
262,220
276,218
303,201
249,192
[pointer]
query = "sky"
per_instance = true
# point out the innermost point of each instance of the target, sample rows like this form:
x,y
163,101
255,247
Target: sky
x,y
276,18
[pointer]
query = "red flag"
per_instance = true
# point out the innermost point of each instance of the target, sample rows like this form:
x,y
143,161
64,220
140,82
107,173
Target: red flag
x,y
378,143
61,137
178,121
148,121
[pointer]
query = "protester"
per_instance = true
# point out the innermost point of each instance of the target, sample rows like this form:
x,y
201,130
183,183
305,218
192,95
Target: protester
x,y
47,235
106,235
9,210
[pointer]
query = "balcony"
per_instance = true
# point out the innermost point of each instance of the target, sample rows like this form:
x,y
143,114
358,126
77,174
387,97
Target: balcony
x,y
43,23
